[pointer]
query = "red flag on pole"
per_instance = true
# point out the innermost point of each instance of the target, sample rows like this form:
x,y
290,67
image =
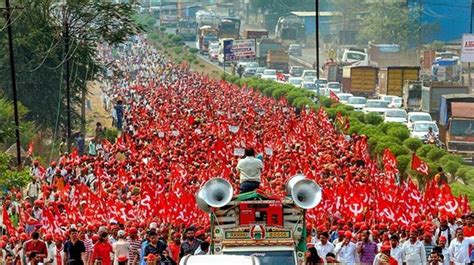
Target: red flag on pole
x,y
30,149
418,165
334,98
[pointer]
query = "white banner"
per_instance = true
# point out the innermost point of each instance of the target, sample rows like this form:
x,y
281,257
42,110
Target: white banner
x,y
467,52
241,50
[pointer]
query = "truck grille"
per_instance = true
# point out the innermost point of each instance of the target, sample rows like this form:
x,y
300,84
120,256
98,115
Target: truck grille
x,y
461,146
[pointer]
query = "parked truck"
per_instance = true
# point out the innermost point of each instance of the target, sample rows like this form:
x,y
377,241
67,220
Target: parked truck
x,y
360,80
255,224
392,79
456,122
431,95
384,55
278,60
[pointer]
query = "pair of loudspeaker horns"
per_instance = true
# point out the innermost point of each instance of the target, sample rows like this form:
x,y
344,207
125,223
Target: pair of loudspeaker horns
x,y
218,192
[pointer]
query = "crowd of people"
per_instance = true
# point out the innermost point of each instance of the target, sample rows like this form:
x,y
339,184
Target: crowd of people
x,y
133,201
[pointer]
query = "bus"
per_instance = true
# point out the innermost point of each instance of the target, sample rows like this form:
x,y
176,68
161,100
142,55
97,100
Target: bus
x,y
229,28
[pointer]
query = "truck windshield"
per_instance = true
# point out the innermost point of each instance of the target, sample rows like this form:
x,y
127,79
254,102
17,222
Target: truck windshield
x,y
462,127
270,257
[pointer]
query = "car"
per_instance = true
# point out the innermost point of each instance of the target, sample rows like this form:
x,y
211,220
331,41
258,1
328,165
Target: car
x,y
309,86
358,103
420,129
309,79
214,45
343,97
396,102
396,115
417,116
213,54
269,74
295,49
259,71
323,82
308,73
271,78
296,71
249,71
251,65
376,105
295,81
336,87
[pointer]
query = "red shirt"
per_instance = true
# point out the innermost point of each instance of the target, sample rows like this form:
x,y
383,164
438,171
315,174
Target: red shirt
x,y
36,246
102,251
174,249
468,231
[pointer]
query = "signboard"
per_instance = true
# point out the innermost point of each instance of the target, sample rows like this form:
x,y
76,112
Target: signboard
x,y
467,51
237,50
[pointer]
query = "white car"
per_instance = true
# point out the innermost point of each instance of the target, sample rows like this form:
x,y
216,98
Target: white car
x,y
343,97
376,105
309,86
336,87
323,82
269,74
295,81
309,73
420,129
358,103
259,71
396,102
396,115
417,116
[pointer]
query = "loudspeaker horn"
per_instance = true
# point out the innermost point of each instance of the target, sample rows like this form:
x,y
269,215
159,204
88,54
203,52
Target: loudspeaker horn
x,y
304,192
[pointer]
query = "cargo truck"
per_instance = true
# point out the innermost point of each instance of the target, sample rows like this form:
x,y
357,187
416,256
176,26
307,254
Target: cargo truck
x,y
456,123
431,95
384,55
278,60
254,224
265,45
392,79
360,80
206,35
255,34
412,95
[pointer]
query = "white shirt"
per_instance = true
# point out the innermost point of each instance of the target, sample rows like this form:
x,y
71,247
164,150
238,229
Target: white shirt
x,y
324,249
446,256
459,251
414,254
250,169
51,253
377,260
346,254
397,253
120,248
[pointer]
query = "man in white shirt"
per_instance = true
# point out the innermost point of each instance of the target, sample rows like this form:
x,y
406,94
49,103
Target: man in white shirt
x,y
346,250
396,252
51,246
250,169
444,250
414,250
459,248
323,247
121,247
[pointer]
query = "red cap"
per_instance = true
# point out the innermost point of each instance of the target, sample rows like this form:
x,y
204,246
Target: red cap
x,y
48,237
442,239
348,234
95,237
427,233
150,257
23,236
133,231
122,258
385,248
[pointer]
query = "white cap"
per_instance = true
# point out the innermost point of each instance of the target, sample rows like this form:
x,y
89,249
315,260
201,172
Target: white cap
x,y
121,233
153,225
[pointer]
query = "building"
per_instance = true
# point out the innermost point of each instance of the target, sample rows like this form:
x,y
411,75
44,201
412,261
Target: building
x,y
326,27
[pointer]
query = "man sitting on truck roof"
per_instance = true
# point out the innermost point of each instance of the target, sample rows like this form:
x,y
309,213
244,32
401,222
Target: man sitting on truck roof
x,y
250,169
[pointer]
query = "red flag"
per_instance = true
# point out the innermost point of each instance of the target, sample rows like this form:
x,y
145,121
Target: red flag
x,y
390,163
7,222
281,77
334,98
418,165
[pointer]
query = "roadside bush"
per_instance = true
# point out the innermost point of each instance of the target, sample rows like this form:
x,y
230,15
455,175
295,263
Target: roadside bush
x,y
325,101
292,95
176,39
162,29
403,161
424,150
193,50
450,166
178,50
399,131
435,154
359,116
302,102
413,144
278,93
373,118
268,91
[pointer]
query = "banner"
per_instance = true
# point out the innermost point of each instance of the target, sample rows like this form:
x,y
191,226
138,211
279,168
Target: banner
x,y
239,50
467,51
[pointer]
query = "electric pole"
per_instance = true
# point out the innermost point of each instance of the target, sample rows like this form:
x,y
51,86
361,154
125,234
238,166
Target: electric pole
x,y
13,77
67,78
317,50
470,31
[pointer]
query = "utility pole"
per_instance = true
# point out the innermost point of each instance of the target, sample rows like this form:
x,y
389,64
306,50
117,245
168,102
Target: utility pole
x,y
13,77
68,85
317,49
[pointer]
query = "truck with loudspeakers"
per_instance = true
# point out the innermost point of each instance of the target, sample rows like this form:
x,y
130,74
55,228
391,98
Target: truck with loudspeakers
x,y
259,225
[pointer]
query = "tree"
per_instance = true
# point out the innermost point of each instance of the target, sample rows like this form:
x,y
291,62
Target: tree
x,y
7,125
38,42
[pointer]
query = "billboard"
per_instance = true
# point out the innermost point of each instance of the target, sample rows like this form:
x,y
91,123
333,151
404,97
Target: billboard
x,y
239,50
467,51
